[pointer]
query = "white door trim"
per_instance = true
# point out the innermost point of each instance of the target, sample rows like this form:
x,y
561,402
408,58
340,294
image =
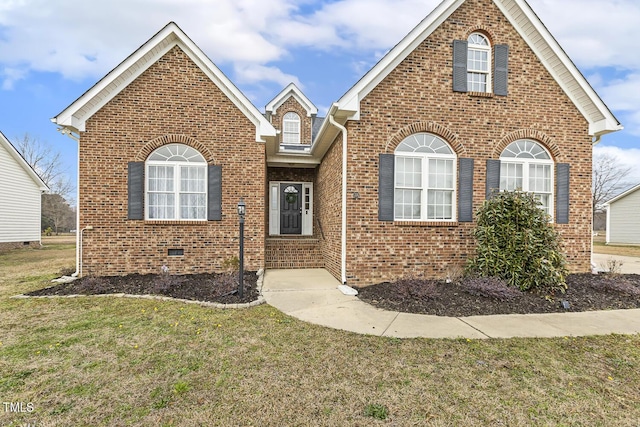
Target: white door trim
x,y
274,207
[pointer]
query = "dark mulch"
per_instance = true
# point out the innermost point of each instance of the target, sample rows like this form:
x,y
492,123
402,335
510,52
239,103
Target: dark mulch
x,y
197,287
586,292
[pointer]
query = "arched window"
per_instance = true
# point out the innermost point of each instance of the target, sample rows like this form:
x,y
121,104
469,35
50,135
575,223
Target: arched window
x,y
291,128
425,179
478,63
526,165
176,184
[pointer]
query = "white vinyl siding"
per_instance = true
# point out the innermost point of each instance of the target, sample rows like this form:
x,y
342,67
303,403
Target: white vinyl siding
x,y
624,222
19,202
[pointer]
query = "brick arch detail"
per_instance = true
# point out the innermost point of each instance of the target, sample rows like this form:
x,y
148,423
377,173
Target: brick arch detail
x,y
533,134
152,145
430,127
481,29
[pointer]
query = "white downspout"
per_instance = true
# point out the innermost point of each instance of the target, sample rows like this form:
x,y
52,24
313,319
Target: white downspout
x,y
67,132
343,265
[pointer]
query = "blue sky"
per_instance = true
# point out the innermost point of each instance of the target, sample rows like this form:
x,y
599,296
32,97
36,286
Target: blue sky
x,y
51,52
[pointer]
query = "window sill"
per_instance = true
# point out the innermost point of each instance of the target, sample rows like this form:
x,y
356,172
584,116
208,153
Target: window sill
x,y
175,222
480,94
426,223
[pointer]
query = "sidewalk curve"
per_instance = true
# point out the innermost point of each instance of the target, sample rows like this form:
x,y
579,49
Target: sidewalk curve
x,y
312,295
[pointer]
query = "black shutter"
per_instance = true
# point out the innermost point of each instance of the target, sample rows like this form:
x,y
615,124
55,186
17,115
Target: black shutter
x,y
214,193
465,191
135,190
501,72
385,187
562,193
493,176
459,65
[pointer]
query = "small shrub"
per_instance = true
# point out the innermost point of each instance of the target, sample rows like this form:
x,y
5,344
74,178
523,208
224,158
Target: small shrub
x,y
613,266
416,288
455,273
516,242
491,287
377,411
231,264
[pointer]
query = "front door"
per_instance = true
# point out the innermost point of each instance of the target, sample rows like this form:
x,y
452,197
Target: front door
x,y
290,208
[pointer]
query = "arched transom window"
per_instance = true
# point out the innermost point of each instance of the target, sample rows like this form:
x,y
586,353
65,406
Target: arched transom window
x,y
425,179
478,63
176,184
291,128
526,165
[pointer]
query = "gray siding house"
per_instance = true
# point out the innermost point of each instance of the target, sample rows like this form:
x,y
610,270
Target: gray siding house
x,y
623,217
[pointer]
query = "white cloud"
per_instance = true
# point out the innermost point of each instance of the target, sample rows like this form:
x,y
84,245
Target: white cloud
x,y
10,76
594,33
86,39
625,157
255,73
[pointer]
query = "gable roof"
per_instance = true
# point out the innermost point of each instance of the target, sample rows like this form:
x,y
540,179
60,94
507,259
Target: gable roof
x,y
291,91
74,117
13,152
531,29
623,195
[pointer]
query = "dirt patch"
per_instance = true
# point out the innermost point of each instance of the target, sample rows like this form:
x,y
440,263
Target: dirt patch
x,y
212,287
586,292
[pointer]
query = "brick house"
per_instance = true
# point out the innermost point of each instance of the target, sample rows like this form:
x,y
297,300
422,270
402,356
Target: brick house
x,y
478,96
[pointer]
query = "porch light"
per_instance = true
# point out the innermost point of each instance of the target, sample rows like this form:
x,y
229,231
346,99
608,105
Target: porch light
x,y
241,208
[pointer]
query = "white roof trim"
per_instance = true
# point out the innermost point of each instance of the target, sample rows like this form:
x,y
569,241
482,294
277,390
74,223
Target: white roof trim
x,y
625,194
531,29
23,163
75,116
291,91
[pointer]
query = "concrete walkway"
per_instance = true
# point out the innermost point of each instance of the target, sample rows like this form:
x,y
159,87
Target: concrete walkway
x,y
312,296
630,264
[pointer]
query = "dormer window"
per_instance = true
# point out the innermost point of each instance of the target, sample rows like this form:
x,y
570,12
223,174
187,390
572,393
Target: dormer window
x,y
291,128
478,63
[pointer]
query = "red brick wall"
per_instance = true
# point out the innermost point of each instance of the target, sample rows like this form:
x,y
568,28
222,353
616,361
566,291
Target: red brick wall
x,y
7,246
328,207
418,96
291,105
173,101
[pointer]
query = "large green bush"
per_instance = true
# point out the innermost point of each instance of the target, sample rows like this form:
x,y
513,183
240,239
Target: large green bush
x,y
517,242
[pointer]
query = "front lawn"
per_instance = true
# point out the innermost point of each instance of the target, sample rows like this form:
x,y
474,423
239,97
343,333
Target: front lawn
x,y
102,361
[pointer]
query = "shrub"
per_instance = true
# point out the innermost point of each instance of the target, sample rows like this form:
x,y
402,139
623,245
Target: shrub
x,y
416,288
517,243
491,287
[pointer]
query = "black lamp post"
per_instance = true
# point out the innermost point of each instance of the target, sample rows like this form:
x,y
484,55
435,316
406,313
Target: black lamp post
x,y
241,212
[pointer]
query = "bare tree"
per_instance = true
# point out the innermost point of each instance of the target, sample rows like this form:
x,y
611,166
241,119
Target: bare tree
x,y
57,213
47,163
609,179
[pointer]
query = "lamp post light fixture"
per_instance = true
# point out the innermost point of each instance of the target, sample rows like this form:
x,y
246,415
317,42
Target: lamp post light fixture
x,y
241,213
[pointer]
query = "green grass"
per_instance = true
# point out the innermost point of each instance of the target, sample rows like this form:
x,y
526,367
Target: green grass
x,y
118,362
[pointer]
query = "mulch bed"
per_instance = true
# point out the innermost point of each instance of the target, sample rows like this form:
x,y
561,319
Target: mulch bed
x,y
197,287
585,292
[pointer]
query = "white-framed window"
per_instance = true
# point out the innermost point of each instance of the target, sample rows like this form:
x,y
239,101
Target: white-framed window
x,y
425,179
291,128
176,184
527,166
478,63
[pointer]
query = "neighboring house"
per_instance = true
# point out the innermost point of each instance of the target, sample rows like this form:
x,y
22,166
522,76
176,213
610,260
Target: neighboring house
x,y
623,220
20,194
479,96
